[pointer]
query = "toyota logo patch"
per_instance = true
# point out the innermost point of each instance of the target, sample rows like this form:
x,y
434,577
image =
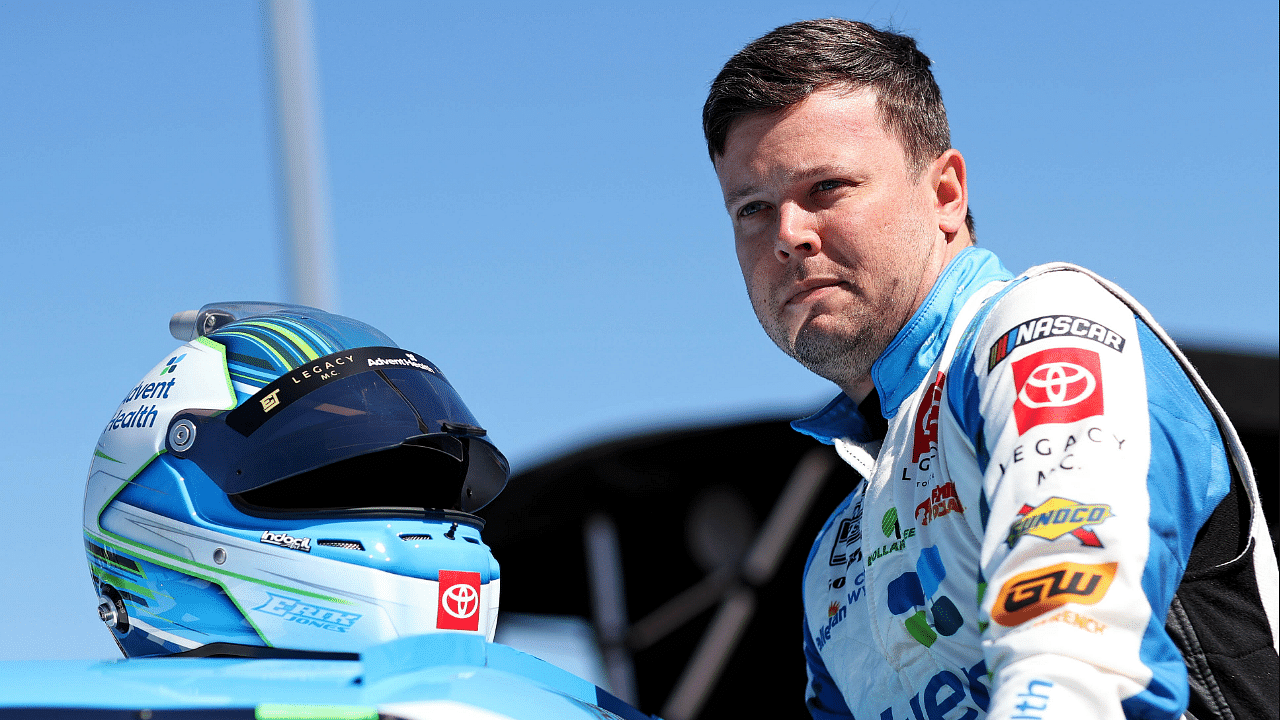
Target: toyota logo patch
x,y
459,607
1058,385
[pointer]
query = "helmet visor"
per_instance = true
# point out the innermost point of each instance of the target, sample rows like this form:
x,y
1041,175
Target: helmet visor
x,y
342,406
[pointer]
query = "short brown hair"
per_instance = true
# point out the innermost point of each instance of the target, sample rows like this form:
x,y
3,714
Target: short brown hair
x,y
788,64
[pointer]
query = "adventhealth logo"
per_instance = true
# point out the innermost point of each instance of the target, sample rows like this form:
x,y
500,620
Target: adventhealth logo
x,y
912,593
409,360
172,364
142,416
145,391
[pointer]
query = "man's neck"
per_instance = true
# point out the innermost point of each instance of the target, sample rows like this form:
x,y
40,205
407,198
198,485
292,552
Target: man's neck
x,y
955,244
859,390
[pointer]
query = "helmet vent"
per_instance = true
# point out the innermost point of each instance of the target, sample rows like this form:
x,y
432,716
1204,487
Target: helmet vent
x,y
411,537
347,544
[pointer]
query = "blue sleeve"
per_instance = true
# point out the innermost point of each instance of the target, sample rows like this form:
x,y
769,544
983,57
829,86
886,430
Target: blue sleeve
x,y
821,696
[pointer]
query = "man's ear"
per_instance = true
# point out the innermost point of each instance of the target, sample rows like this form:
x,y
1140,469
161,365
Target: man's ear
x,y
950,191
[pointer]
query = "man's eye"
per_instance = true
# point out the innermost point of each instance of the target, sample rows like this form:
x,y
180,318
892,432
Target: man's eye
x,y
750,208
825,185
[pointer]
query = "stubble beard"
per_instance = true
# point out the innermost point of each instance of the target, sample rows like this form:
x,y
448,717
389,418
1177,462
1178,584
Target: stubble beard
x,y
843,352
843,342
843,358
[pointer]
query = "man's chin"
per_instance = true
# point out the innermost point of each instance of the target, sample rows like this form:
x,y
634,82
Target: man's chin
x,y
838,358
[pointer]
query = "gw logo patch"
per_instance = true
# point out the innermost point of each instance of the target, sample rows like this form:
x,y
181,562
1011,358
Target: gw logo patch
x,y
1056,517
307,614
1052,326
1036,592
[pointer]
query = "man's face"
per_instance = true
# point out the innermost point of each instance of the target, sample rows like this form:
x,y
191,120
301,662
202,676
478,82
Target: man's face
x,y
837,237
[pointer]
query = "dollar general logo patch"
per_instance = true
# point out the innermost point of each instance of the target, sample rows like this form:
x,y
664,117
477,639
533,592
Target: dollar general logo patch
x,y
1056,517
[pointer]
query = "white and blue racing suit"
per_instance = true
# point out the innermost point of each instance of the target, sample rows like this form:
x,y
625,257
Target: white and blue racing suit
x,y
1024,544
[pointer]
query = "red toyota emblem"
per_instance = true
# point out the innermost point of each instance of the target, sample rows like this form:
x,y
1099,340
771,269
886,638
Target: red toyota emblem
x,y
1058,385
459,607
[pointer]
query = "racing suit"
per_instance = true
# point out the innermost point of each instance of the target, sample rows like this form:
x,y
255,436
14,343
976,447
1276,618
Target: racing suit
x,y
1028,520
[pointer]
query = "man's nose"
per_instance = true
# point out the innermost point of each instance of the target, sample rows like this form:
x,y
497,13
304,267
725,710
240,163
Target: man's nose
x,y
797,234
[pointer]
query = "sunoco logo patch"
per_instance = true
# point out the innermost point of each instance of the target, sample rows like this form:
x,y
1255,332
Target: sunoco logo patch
x,y
1056,517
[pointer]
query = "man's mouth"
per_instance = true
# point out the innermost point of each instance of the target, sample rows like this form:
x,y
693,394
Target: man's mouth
x,y
812,289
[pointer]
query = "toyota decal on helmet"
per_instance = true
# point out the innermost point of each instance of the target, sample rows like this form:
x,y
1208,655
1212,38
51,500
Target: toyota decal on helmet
x,y
289,482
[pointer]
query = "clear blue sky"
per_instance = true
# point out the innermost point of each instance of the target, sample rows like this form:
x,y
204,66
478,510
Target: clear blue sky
x,y
520,192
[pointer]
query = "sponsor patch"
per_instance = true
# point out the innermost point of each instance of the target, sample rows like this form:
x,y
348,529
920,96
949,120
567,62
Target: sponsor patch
x,y
926,436
856,592
913,594
1058,385
1075,620
172,364
847,548
293,385
459,605
304,613
942,501
889,525
1033,701
1051,326
1035,592
943,692
1056,517
270,400
145,391
836,613
409,360
143,416
285,540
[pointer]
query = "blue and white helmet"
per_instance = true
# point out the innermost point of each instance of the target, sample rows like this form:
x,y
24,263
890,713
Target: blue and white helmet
x,y
289,481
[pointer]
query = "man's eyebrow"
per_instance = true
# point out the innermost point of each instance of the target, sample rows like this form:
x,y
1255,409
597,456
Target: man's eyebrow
x,y
824,171
731,199
736,196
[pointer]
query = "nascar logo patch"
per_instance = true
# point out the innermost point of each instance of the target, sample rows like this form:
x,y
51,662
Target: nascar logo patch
x,y
1052,326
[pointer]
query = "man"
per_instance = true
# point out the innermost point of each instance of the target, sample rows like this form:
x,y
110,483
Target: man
x,y
1056,521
